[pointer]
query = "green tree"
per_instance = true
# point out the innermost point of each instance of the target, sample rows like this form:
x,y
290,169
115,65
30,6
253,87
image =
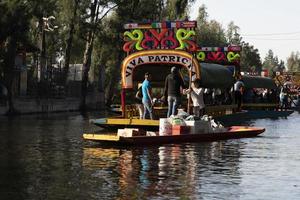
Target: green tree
x,y
272,64
293,62
69,19
232,34
15,17
209,33
96,8
250,59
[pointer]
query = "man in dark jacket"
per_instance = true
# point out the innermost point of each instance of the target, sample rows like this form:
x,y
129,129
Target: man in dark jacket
x,y
172,91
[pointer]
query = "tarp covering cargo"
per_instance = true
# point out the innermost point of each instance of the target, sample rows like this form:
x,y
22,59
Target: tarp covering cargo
x,y
259,82
216,76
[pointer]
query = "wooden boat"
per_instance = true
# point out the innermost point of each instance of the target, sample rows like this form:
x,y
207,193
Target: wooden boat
x,y
233,132
159,47
246,115
115,123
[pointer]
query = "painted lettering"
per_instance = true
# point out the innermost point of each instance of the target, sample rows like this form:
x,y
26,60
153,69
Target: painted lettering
x,y
164,58
130,68
150,58
140,61
133,62
184,60
157,59
172,58
128,73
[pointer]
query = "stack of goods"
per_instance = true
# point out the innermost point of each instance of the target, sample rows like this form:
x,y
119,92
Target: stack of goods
x,y
131,132
173,126
179,126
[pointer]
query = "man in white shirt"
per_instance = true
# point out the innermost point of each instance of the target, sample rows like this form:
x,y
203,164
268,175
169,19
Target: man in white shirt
x,y
196,93
238,91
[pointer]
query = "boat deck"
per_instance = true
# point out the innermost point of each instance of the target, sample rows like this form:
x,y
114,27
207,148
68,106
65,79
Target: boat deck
x,y
232,132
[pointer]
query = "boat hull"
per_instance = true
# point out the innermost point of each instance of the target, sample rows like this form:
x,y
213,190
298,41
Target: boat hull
x,y
233,132
238,117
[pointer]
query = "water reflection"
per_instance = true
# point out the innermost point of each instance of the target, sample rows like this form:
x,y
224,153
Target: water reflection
x,y
44,157
170,171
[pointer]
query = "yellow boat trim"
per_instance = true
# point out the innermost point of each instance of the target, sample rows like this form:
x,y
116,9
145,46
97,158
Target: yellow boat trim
x,y
145,122
102,137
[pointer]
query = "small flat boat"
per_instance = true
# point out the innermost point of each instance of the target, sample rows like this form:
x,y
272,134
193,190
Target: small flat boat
x,y
251,115
233,132
116,123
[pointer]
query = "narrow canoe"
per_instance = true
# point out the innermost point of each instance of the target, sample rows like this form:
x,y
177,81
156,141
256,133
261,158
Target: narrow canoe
x,y
233,132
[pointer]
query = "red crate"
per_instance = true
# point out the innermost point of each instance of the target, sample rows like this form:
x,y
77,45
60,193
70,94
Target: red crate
x,y
179,130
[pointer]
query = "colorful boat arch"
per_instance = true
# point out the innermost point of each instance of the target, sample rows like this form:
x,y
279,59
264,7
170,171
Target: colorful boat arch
x,y
137,59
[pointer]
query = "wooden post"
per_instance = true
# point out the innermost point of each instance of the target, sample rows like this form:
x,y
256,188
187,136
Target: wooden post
x,y
190,83
123,102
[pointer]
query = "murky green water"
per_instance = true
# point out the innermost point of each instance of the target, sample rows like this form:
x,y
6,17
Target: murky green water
x,y
44,157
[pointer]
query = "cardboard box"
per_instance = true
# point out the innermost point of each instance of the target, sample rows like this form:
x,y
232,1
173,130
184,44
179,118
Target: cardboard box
x,y
179,130
199,126
131,132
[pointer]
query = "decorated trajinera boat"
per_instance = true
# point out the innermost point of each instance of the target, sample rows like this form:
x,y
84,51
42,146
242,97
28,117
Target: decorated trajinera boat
x,y
234,132
156,48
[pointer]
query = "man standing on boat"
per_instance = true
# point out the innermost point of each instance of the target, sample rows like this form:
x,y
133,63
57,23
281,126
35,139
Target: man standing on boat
x,y
284,97
238,91
196,93
147,96
172,91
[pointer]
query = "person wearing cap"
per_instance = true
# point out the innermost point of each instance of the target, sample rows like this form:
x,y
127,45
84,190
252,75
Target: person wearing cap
x,y
172,90
147,96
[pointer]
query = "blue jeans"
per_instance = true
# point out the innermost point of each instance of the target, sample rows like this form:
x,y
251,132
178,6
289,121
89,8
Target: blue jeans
x,y
147,109
173,103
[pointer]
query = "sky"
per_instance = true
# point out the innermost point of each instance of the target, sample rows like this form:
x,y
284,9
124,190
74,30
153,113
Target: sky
x,y
265,24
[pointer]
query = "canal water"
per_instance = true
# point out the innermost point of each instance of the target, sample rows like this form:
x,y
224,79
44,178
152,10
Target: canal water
x,y
44,157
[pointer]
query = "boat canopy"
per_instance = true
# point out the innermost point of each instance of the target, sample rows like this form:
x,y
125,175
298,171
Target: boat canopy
x,y
216,76
158,72
259,82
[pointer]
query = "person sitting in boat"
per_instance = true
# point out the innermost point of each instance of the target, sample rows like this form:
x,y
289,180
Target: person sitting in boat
x,y
147,96
238,92
138,101
196,93
172,91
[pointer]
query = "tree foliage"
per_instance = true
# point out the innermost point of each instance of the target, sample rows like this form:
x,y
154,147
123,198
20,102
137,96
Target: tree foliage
x,y
293,62
209,32
250,59
88,34
272,64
